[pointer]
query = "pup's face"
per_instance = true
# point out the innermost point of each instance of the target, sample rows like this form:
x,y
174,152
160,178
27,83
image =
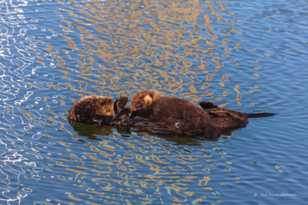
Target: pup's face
x,y
144,99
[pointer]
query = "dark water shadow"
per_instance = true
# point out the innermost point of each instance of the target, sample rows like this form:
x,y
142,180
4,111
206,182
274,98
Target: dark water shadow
x,y
94,132
91,131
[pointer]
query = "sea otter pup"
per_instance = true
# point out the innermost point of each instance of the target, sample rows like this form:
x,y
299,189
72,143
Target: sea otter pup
x,y
171,115
100,110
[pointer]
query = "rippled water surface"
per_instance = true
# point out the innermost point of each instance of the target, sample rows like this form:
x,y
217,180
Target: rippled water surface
x,y
247,55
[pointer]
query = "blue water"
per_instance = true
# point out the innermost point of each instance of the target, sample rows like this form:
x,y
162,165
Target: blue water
x,y
247,55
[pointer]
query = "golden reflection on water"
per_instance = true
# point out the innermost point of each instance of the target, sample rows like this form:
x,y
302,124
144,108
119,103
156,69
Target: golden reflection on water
x,y
147,44
123,47
133,174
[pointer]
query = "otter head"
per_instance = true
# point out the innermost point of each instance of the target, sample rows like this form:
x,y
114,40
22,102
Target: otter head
x,y
88,108
144,99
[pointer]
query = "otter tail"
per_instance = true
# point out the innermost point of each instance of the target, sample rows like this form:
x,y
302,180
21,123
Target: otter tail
x,y
209,105
260,114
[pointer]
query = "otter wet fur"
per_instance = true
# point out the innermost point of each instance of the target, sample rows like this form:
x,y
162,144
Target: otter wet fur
x,y
172,115
229,119
100,110
178,116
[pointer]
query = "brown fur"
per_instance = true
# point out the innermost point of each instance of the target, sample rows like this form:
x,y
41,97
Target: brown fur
x,y
99,110
92,110
227,119
224,118
144,99
171,115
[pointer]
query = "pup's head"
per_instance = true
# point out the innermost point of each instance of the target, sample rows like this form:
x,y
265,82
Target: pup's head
x,y
144,99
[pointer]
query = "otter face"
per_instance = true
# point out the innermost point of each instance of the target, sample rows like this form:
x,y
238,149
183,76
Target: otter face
x,y
105,106
144,99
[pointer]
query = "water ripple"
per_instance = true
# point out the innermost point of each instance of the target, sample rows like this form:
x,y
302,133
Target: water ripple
x,y
249,56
